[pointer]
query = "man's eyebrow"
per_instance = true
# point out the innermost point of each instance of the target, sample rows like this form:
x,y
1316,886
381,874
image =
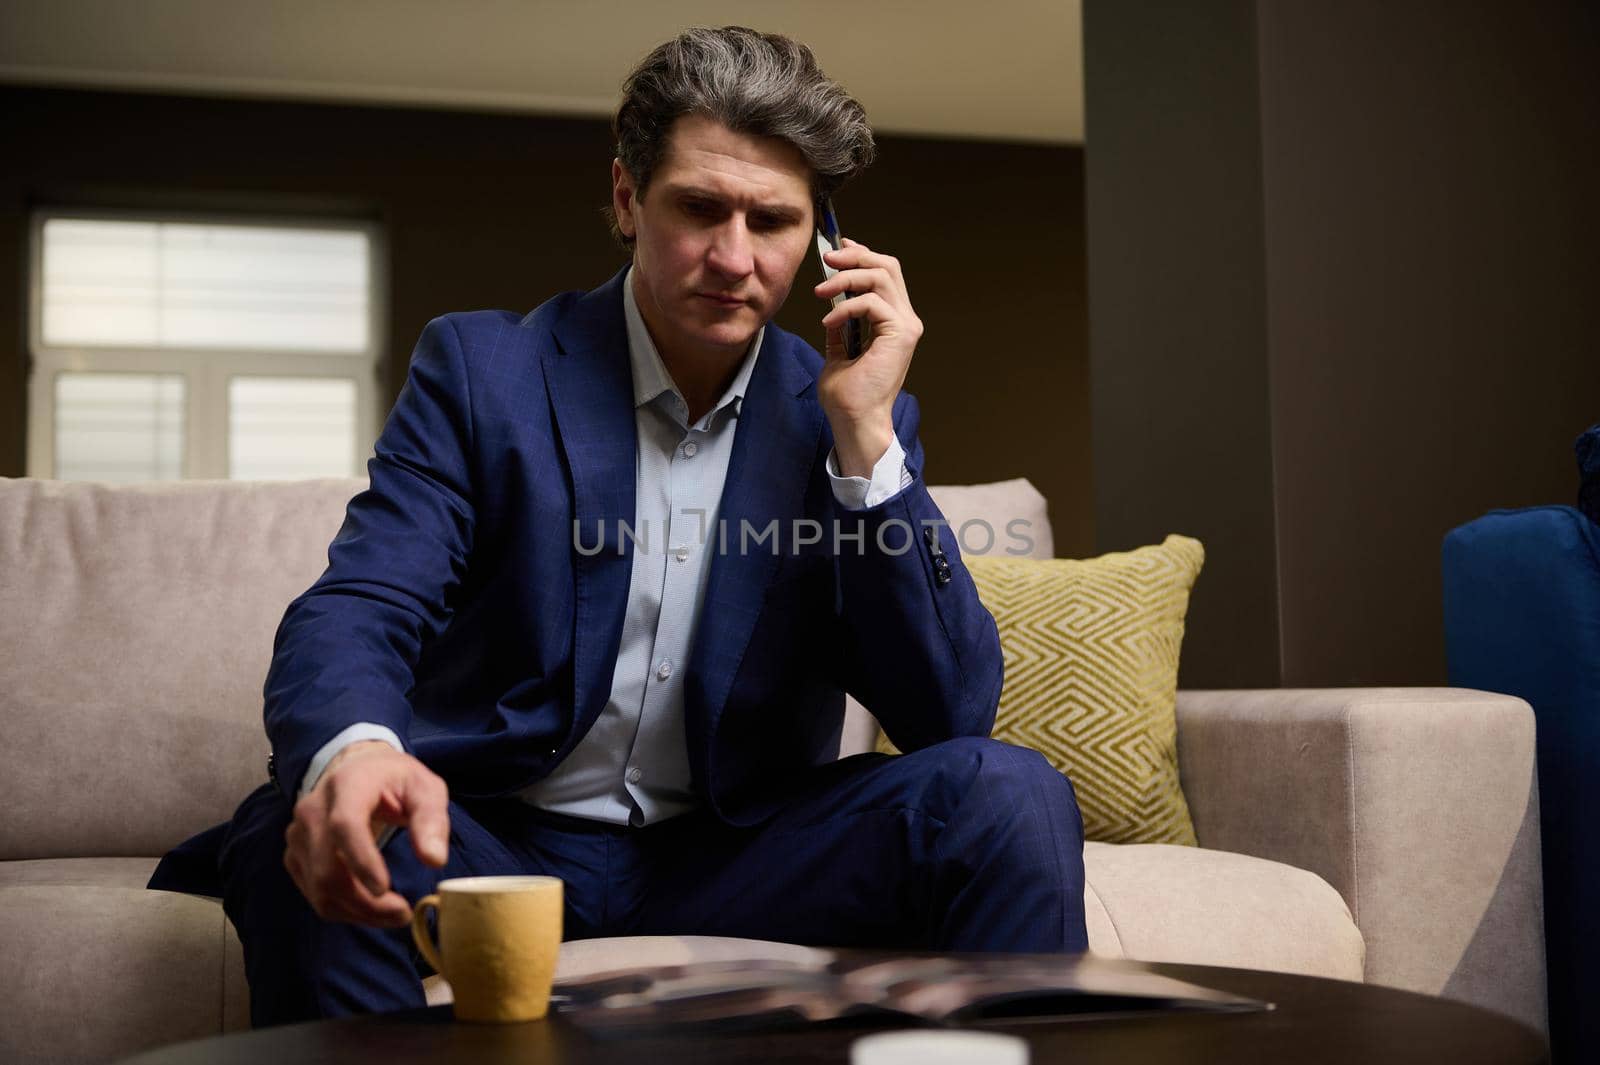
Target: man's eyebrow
x,y
785,211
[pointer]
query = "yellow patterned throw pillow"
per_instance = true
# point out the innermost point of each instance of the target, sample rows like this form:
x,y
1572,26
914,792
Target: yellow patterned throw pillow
x,y
1091,654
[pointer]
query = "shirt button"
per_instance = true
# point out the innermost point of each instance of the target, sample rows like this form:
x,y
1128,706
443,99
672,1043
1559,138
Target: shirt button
x,y
681,554
635,775
664,670
690,448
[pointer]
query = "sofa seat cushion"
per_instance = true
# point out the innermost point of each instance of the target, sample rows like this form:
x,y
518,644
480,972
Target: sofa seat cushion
x,y
1147,902
1159,902
85,940
77,872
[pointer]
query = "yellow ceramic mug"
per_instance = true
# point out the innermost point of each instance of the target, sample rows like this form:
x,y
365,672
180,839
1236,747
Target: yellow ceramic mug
x,y
498,941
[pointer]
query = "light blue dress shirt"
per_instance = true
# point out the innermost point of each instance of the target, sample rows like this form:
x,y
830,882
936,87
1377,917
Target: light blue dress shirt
x,y
632,767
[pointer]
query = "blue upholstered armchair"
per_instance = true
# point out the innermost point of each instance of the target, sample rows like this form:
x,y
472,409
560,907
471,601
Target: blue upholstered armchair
x,y
1522,616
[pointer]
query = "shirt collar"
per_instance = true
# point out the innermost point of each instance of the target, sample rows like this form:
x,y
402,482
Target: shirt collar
x,y
650,376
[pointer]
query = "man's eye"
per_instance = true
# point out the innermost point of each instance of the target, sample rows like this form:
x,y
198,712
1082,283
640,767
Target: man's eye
x,y
700,208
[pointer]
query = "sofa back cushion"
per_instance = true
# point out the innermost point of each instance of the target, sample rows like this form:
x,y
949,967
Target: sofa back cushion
x,y
136,624
136,627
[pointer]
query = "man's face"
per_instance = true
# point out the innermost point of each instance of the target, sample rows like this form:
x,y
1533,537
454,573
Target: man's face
x,y
718,236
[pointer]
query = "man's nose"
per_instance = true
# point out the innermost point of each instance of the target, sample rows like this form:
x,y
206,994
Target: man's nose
x,y
731,253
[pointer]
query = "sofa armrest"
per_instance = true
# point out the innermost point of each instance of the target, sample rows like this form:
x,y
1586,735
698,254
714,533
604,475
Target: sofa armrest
x,y
1419,806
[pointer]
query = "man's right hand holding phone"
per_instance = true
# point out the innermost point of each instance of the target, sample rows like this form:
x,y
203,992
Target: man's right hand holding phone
x,y
332,851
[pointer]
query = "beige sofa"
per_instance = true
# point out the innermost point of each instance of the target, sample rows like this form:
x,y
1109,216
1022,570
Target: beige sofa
x,y
1385,835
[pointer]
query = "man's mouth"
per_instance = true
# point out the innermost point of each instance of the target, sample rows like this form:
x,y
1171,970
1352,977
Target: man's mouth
x,y
721,299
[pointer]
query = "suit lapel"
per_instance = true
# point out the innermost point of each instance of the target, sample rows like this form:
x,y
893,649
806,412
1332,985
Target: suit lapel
x,y
590,382
773,454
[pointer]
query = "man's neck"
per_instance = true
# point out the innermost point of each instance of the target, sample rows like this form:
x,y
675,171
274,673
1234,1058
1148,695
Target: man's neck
x,y
702,382
702,374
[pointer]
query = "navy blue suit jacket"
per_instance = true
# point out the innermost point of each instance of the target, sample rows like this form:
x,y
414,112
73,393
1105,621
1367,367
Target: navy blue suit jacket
x,y
457,610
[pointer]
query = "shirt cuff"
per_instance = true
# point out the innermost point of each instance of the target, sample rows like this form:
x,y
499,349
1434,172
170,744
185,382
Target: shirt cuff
x,y
889,477
365,730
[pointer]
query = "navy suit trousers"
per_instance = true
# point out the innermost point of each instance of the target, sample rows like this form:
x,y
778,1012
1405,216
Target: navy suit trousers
x,y
969,844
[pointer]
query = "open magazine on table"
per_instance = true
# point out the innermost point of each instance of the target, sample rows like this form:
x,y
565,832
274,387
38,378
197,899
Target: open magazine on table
x,y
950,989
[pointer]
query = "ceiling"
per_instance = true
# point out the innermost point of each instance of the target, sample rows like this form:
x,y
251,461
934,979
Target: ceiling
x,y
1005,69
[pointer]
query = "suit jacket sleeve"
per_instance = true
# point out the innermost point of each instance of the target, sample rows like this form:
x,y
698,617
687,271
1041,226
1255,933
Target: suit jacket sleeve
x,y
346,649
919,650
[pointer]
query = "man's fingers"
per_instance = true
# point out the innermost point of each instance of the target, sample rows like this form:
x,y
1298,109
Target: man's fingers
x,y
342,897
862,280
425,805
356,849
867,305
331,849
430,836
387,910
855,253
393,909
835,349
350,828
857,279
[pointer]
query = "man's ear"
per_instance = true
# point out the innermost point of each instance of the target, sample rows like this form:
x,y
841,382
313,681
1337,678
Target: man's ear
x,y
623,199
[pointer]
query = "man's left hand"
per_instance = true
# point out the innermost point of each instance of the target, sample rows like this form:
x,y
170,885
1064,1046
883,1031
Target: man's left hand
x,y
858,394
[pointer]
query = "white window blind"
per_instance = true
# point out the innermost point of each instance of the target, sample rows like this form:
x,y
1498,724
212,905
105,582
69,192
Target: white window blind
x,y
180,347
118,426
283,428
183,285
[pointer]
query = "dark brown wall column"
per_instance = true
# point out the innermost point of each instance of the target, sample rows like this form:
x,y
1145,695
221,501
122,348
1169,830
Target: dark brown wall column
x,y
1177,315
1433,263
1342,260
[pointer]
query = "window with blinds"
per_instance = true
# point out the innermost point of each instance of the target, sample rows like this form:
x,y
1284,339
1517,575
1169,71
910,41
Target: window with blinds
x,y
167,348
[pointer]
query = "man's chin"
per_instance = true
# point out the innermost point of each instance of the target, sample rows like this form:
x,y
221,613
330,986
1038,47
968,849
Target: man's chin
x,y
738,345
734,333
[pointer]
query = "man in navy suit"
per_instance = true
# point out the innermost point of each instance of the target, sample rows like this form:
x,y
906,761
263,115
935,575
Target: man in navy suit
x,y
618,565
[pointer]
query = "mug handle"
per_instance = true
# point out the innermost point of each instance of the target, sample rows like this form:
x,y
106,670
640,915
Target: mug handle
x,y
419,931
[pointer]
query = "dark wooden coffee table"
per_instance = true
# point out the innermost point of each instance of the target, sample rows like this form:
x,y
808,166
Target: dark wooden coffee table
x,y
1316,1021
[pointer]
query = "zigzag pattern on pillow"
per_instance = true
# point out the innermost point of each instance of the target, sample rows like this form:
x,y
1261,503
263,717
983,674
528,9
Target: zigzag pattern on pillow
x,y
1091,677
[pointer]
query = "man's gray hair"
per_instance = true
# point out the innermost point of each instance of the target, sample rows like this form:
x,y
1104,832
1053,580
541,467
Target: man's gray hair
x,y
762,84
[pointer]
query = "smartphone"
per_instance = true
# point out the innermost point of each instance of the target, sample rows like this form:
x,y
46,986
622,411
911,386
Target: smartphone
x,y
829,239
